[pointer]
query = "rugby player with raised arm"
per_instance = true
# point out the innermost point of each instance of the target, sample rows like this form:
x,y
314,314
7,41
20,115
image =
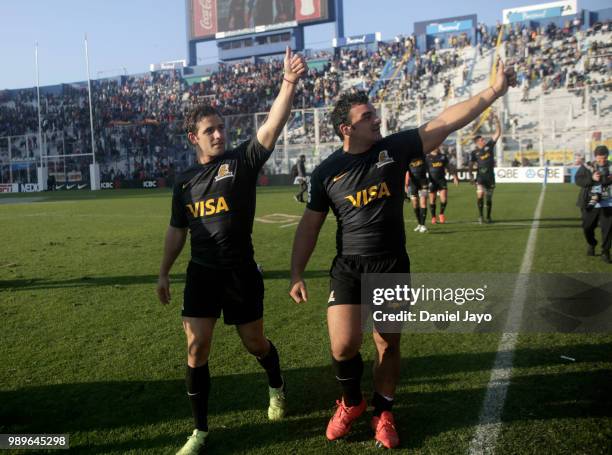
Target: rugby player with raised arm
x,y
214,200
483,159
362,183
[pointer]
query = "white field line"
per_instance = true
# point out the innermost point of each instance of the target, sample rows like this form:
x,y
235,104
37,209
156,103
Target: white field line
x,y
279,218
489,422
79,215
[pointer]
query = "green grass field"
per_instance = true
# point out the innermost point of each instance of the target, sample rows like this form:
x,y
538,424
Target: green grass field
x,y
86,349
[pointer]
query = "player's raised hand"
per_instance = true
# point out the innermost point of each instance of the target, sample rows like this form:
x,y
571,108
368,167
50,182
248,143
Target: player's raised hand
x,y
505,77
163,289
294,66
298,291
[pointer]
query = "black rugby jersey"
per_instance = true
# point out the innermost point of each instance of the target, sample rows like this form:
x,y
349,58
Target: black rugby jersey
x,y
417,168
366,193
437,165
216,201
485,157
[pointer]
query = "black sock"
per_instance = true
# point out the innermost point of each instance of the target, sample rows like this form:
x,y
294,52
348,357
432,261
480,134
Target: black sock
x,y
380,404
417,214
432,207
480,205
423,212
489,206
271,363
348,374
198,388
442,207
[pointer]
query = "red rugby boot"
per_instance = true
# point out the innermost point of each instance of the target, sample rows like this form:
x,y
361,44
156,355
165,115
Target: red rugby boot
x,y
340,423
384,429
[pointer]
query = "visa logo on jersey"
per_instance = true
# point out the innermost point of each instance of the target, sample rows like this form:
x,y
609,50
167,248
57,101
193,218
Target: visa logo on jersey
x,y
208,207
367,195
416,163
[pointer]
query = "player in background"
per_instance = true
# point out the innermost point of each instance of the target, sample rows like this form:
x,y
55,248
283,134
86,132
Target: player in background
x,y
483,159
437,166
301,178
416,189
215,201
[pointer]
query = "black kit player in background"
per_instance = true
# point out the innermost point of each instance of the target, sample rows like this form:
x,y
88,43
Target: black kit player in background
x,y
484,159
437,166
416,189
301,178
363,184
215,201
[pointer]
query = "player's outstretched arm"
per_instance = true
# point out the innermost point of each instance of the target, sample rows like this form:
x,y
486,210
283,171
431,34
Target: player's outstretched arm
x,y
498,128
456,117
294,68
304,243
173,245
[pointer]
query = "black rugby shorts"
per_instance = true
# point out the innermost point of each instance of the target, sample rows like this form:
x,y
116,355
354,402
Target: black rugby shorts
x,y
486,179
437,185
238,292
345,275
414,186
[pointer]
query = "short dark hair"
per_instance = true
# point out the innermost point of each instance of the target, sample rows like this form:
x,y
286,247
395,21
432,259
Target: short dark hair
x,y
477,137
601,150
197,113
340,114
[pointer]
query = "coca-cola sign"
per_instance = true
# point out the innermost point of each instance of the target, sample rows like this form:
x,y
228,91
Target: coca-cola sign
x,y
204,19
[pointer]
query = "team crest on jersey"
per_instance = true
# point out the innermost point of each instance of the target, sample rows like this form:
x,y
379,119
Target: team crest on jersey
x,y
224,172
384,158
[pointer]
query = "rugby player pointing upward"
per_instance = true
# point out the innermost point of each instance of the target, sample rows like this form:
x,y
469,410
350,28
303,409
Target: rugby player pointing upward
x,y
215,200
362,183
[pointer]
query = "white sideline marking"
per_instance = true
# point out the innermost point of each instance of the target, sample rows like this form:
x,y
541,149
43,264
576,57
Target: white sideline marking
x,y
278,218
79,215
489,424
290,224
20,200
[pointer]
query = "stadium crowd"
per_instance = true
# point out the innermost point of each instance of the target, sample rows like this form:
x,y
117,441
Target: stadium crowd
x,y
138,117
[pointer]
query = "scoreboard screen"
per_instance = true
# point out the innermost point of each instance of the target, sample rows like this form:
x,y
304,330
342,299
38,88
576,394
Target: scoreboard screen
x,y
218,19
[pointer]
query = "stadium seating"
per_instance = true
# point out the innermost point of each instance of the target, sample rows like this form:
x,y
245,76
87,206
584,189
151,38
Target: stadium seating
x,y
137,119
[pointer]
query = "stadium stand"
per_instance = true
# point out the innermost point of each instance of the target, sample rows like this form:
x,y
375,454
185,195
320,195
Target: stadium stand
x,y
137,119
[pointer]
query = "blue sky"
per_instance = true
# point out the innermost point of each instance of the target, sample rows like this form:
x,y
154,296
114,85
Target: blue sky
x,y
131,34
